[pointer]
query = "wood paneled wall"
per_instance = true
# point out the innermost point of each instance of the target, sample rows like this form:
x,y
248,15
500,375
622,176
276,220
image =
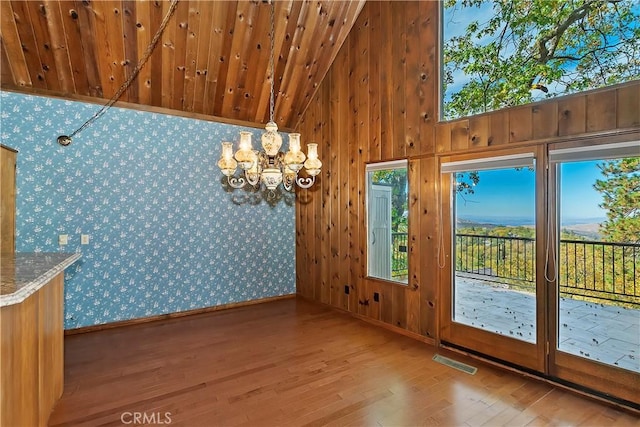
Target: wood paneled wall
x,y
603,111
379,101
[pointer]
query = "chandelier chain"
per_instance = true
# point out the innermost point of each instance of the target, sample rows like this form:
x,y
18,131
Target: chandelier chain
x,y
271,60
141,63
270,167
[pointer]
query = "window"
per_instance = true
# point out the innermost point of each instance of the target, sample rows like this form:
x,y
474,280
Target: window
x,y
387,221
499,54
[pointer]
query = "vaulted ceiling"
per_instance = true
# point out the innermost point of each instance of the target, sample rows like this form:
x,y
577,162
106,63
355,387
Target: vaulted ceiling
x,y
213,57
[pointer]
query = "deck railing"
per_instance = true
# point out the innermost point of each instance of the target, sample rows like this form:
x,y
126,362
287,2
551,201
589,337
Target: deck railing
x,y
602,270
399,262
591,269
511,258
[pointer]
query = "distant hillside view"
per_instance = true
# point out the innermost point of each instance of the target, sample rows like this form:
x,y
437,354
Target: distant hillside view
x,y
587,229
598,200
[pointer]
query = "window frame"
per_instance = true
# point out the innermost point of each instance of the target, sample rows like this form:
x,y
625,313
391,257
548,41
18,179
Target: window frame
x,y
380,166
518,352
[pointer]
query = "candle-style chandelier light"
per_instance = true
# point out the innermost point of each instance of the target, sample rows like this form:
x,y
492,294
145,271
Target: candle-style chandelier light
x,y
270,166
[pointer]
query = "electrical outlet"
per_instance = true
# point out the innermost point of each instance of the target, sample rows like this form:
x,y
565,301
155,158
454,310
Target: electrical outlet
x,y
63,239
346,289
376,297
84,239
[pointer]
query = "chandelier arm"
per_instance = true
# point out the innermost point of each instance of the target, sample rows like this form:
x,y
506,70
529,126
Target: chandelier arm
x,y
253,181
305,182
236,182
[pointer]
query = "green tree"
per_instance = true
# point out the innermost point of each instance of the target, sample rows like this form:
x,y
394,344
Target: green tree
x,y
620,188
465,181
532,49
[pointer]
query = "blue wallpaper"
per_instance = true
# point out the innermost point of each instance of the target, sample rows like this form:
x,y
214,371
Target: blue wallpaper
x,y
165,234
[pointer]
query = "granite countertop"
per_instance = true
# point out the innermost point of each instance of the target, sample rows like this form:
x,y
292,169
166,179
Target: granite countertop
x,y
22,274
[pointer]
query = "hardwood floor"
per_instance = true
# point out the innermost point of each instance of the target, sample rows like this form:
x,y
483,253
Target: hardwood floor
x,y
295,363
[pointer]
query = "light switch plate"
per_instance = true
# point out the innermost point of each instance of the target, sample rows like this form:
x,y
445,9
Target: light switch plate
x,y
84,239
63,239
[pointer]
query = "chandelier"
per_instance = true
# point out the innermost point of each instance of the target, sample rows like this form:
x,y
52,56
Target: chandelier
x,y
270,166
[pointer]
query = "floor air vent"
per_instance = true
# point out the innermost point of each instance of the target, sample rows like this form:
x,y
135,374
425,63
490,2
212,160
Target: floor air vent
x,y
455,364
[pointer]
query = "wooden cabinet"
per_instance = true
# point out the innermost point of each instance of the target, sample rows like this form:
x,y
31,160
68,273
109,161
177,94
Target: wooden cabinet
x,y
32,357
7,199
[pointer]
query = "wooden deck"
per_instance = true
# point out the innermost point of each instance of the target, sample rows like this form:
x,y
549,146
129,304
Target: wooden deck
x,y
296,363
605,333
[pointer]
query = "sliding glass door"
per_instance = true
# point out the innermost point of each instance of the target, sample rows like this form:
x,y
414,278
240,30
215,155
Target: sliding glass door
x,y
596,291
540,261
492,300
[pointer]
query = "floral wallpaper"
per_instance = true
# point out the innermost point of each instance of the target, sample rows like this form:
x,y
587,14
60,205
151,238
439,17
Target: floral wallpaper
x,y
165,233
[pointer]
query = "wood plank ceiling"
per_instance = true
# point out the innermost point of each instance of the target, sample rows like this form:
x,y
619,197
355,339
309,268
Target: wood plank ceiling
x,y
212,59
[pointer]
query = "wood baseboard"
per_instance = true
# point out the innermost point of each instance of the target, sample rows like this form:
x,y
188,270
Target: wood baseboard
x,y
629,407
124,323
376,322
392,328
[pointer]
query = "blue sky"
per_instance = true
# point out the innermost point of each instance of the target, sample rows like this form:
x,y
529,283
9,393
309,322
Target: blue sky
x,y
579,199
455,24
510,194
501,193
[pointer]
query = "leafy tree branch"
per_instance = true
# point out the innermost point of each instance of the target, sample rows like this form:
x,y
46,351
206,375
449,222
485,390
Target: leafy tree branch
x,y
526,50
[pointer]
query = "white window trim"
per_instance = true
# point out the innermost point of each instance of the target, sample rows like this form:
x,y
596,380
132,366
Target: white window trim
x,y
487,163
595,152
393,164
